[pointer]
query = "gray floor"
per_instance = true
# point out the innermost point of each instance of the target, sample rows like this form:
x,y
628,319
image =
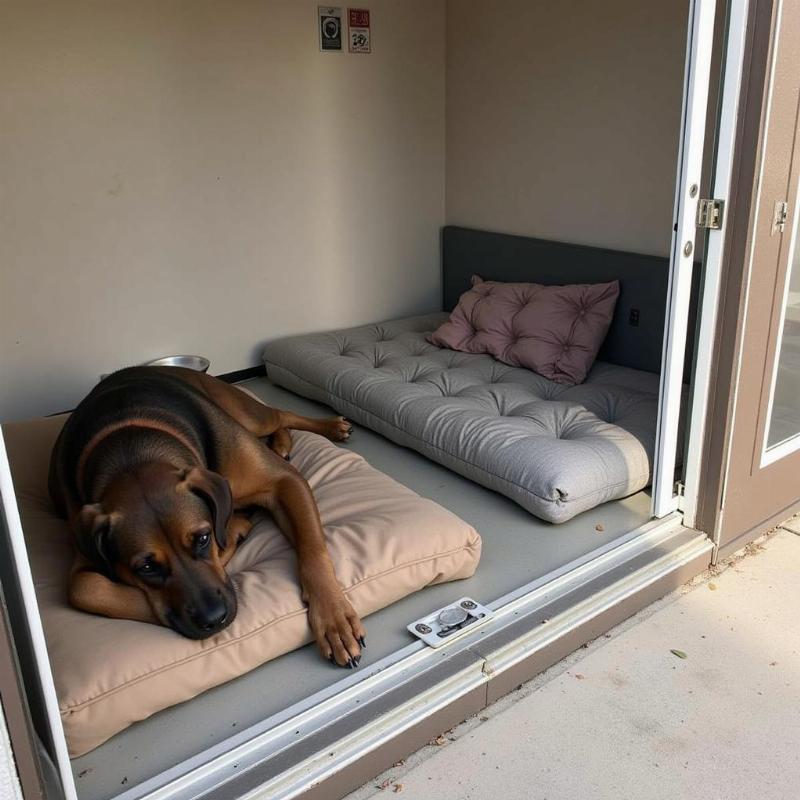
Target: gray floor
x,y
517,548
627,718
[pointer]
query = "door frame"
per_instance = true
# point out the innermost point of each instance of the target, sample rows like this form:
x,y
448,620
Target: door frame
x,y
753,490
770,455
15,717
9,511
697,71
722,188
759,60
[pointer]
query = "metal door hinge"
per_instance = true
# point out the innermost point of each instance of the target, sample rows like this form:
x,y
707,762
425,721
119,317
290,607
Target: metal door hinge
x,y
780,215
709,213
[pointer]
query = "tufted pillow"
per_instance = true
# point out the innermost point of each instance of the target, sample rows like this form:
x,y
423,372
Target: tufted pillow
x,y
553,330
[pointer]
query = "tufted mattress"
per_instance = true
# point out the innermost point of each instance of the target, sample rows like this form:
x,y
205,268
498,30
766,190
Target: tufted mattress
x,y
556,450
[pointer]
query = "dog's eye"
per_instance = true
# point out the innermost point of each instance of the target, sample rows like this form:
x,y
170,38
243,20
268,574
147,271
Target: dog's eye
x,y
202,541
147,568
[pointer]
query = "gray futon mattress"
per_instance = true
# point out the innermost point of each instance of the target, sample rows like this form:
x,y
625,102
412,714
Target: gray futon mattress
x,y
556,450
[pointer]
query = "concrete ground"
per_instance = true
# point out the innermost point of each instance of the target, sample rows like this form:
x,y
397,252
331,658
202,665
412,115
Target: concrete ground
x,y
698,696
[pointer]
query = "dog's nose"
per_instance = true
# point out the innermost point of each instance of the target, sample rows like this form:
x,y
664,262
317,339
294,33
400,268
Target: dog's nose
x,y
215,621
213,616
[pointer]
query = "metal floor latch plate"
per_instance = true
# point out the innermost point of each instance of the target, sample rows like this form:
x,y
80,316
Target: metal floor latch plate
x,y
450,622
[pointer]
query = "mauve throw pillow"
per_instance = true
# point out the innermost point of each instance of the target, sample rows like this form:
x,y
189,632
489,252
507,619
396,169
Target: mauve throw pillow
x,y
553,330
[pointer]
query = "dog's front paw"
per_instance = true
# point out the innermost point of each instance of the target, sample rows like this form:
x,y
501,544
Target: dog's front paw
x,y
338,429
337,629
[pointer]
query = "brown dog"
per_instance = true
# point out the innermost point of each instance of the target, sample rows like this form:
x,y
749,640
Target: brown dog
x,y
151,470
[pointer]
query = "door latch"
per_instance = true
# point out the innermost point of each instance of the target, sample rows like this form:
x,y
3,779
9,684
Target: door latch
x,y
449,622
779,217
709,214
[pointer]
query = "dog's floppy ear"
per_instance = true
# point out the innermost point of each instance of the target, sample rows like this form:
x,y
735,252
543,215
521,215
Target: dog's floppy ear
x,y
93,540
216,491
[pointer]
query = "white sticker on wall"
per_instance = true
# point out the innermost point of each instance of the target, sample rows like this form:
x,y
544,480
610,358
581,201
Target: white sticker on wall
x,y
358,30
330,29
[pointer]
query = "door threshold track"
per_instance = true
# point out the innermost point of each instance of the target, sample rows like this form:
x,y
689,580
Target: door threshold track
x,y
307,745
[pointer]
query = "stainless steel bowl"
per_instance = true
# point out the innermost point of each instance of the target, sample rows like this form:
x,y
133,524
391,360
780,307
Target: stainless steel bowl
x,y
198,363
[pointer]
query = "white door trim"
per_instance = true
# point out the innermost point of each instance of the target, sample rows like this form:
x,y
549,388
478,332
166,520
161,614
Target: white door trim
x,y
682,255
8,507
709,301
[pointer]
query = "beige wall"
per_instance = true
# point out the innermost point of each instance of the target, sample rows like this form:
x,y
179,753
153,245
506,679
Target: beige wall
x,y
197,177
562,118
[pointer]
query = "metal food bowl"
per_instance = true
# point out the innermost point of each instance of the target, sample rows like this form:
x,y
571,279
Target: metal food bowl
x,y
197,363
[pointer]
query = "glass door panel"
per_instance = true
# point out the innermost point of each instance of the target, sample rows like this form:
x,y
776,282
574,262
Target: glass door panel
x,y
783,422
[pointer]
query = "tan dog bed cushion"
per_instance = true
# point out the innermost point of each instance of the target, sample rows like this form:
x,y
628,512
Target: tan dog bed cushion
x,y
386,542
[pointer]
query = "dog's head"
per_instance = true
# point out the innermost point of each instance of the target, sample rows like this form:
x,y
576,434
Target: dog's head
x,y
163,530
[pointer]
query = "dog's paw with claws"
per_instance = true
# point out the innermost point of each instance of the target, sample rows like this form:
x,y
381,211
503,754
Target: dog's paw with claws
x,y
337,629
338,429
